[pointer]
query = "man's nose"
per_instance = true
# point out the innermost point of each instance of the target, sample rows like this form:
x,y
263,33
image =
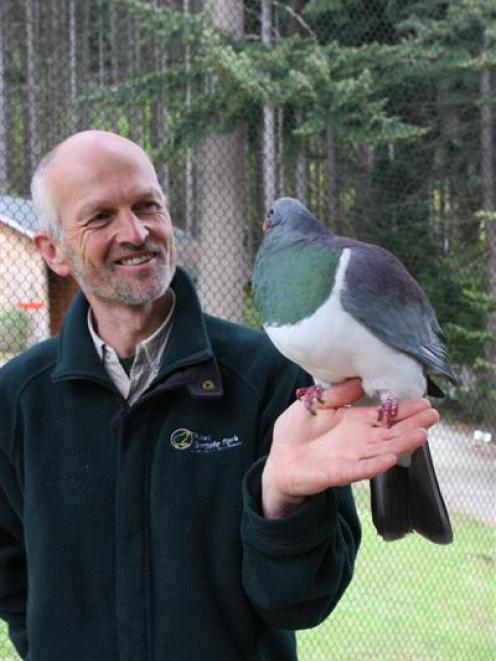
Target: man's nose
x,y
131,229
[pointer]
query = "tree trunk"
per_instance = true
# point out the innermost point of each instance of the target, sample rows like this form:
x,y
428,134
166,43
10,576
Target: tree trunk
x,y
72,50
72,63
489,194
31,86
268,137
159,129
301,171
222,200
454,187
114,59
3,100
281,183
332,190
268,155
84,56
189,191
101,50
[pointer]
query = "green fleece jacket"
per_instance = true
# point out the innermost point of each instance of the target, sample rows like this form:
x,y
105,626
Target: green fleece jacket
x,y
135,533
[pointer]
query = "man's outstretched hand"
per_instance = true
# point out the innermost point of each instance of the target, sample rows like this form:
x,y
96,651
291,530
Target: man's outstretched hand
x,y
338,446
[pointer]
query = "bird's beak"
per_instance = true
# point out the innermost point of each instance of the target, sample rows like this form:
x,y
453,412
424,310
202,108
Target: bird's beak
x,y
265,224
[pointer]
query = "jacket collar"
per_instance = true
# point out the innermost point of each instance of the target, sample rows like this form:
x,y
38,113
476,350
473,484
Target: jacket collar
x,y
188,359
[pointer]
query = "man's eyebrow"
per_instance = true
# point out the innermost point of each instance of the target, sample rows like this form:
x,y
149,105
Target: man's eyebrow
x,y
91,207
150,193
103,204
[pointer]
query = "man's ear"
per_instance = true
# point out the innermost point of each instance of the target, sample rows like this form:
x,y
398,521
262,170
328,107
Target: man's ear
x,y
52,253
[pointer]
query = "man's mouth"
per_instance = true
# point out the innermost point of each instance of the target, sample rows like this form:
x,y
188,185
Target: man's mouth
x,y
135,260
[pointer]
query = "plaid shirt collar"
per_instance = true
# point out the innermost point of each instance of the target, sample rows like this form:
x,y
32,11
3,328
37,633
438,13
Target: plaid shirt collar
x,y
146,360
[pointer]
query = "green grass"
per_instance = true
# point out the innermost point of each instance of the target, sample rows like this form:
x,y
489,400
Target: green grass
x,y
411,599
7,651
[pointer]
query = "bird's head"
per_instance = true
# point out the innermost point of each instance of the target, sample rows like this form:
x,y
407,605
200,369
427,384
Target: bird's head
x,y
285,211
289,215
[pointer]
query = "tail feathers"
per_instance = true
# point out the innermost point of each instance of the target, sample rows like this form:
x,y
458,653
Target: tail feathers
x,y
406,500
390,500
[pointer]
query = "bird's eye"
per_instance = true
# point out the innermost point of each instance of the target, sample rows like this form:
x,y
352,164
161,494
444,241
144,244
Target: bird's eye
x,y
271,212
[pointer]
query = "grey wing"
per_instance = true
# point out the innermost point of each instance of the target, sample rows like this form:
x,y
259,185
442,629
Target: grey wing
x,y
381,294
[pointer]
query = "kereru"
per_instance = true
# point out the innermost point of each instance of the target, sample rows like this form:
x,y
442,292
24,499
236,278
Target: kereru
x,y
341,308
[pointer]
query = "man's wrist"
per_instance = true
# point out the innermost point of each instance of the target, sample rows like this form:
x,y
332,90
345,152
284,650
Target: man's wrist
x,y
276,504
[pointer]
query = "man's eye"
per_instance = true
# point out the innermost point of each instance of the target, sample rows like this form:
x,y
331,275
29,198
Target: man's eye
x,y
100,218
148,206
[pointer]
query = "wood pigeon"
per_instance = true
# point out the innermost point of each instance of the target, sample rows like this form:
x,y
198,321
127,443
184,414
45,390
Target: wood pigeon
x,y
341,308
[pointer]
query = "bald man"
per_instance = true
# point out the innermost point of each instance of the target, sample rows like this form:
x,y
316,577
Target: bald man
x,y
161,496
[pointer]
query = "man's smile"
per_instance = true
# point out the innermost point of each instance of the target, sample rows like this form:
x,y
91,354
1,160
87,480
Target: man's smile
x,y
136,260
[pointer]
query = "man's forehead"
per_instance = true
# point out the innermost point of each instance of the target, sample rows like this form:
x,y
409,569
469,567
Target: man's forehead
x,y
133,194
82,163
97,139
88,153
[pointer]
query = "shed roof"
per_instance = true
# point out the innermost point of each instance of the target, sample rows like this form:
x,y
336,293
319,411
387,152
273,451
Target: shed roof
x,y
18,213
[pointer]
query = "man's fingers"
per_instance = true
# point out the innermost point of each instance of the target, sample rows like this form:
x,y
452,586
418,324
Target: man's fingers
x,y
424,418
415,412
406,442
409,407
342,394
372,467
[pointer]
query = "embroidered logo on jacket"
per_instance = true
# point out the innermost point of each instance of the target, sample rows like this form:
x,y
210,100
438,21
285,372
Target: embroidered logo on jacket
x,y
185,439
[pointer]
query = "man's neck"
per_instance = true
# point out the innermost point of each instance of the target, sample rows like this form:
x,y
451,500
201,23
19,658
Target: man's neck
x,y
123,327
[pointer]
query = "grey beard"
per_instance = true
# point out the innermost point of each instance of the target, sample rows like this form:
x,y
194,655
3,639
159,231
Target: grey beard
x,y
121,291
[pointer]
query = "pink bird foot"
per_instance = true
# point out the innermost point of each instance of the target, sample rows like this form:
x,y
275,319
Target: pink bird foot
x,y
388,410
309,396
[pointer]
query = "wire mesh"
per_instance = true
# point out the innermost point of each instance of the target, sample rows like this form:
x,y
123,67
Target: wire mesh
x,y
380,116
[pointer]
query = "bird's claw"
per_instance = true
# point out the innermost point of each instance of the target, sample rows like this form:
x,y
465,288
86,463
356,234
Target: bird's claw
x,y
309,396
388,410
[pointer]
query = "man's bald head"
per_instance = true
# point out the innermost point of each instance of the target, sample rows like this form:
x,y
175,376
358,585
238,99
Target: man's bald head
x,y
68,157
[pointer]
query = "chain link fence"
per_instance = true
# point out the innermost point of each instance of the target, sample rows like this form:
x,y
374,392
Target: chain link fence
x,y
380,116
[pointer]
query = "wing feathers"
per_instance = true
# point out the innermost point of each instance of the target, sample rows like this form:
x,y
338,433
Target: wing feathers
x,y
383,296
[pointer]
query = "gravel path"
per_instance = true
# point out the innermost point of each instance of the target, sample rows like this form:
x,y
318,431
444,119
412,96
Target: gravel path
x,y
466,470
